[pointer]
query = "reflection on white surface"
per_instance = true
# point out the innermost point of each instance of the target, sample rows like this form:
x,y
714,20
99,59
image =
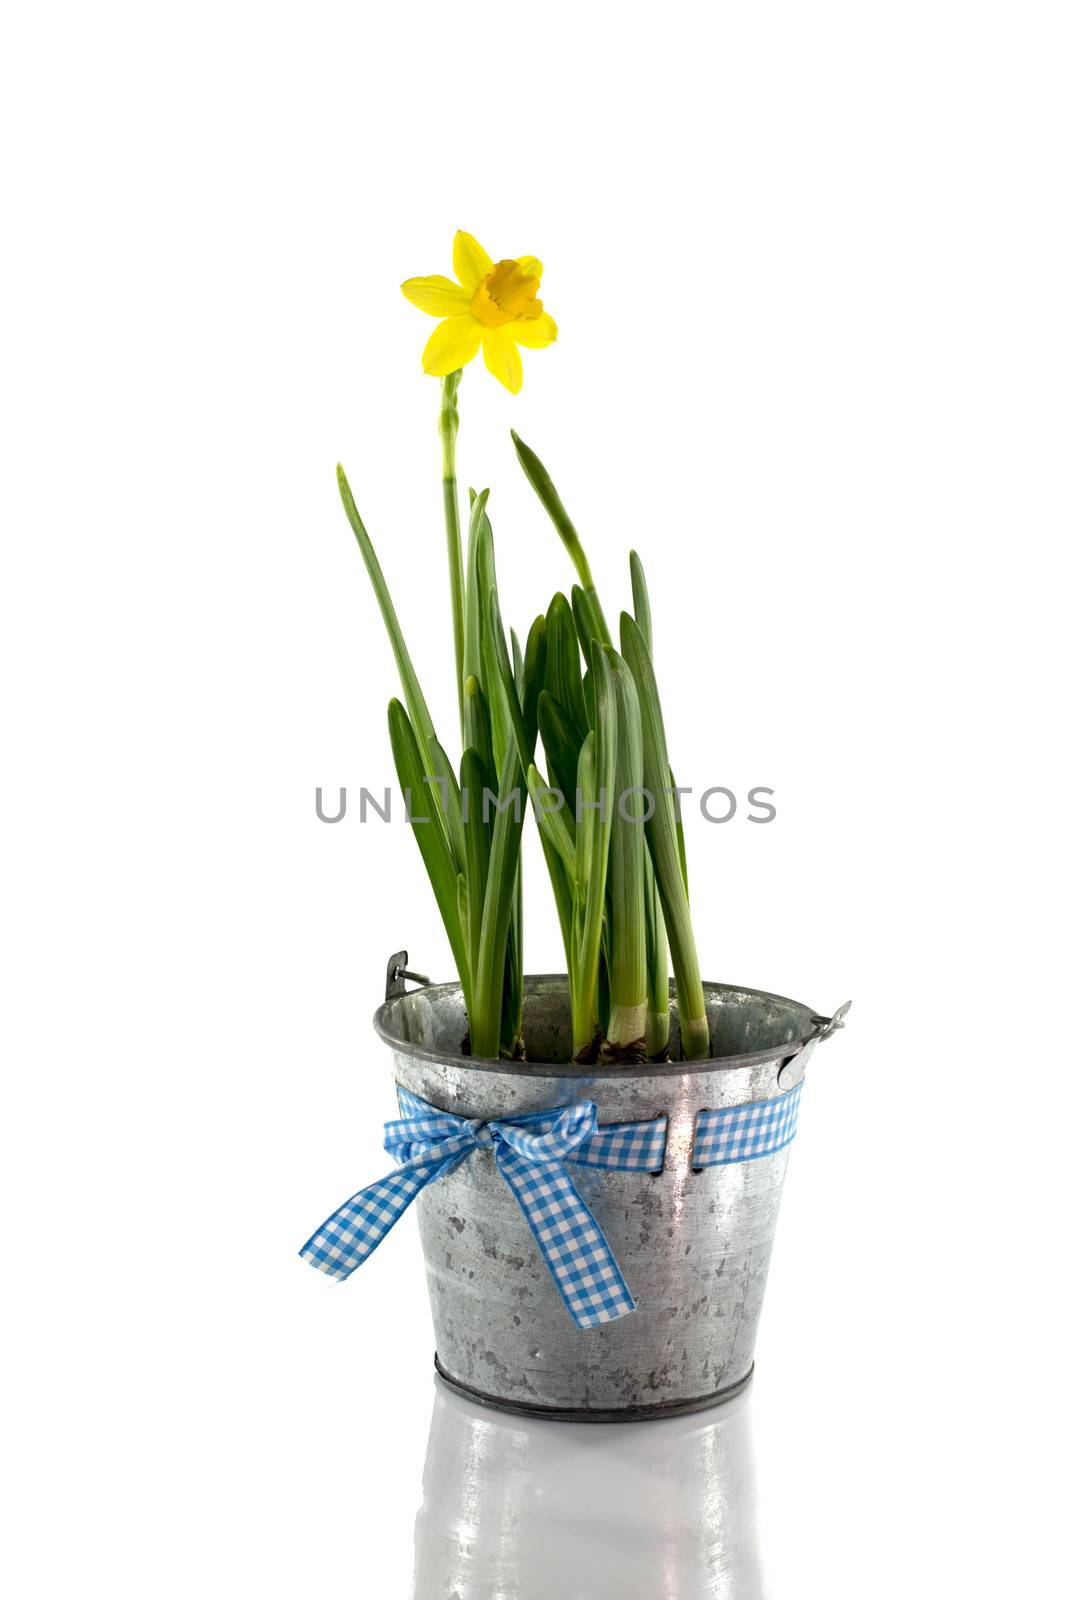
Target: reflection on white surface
x,y
515,1509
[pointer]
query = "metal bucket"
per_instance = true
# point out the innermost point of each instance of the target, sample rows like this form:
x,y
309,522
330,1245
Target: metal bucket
x,y
694,1246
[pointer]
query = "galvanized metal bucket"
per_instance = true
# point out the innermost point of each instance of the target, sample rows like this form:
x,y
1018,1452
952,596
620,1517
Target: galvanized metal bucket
x,y
694,1246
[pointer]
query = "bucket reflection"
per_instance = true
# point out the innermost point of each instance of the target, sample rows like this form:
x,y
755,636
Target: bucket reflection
x,y
518,1509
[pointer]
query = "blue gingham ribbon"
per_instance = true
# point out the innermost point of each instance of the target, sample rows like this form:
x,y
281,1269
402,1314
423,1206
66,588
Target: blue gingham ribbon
x,y
741,1133
530,1153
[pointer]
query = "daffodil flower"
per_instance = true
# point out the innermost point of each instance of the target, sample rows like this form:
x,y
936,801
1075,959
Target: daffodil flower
x,y
494,308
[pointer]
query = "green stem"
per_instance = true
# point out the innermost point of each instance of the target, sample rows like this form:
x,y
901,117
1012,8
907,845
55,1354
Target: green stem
x,y
449,427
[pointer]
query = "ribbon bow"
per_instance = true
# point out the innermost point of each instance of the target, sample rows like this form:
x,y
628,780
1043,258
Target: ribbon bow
x,y
530,1152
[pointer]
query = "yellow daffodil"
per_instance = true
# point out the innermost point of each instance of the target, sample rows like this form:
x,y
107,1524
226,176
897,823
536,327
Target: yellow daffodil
x,y
492,307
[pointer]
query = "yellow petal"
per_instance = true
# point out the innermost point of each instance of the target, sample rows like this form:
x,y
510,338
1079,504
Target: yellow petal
x,y
503,359
469,260
531,266
452,345
535,333
436,295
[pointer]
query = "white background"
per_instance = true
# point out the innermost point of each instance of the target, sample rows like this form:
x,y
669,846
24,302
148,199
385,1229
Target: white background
x,y
816,271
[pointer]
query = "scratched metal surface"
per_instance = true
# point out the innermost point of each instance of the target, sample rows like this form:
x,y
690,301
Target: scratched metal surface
x,y
694,1247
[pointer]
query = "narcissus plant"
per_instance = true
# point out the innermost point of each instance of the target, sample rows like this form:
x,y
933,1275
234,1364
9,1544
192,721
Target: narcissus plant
x,y
606,807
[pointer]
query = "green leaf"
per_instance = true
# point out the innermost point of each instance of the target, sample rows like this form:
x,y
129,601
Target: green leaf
x,y
423,810
505,678
479,735
511,1014
411,688
485,579
657,964
595,780
561,745
472,607
657,944
534,668
641,603
628,932
476,833
563,671
586,820
500,889
507,829
443,779
543,487
665,851
588,696
553,822
678,828
589,622
464,909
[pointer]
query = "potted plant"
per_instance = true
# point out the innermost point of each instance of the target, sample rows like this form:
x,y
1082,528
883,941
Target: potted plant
x,y
598,1157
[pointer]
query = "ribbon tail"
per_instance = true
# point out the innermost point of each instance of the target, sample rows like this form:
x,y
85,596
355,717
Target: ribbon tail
x,y
572,1245
351,1234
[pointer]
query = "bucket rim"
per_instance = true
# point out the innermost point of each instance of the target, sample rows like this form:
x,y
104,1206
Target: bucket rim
x,y
573,1069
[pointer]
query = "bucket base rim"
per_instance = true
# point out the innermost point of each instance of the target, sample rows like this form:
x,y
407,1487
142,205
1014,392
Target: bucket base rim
x,y
663,1408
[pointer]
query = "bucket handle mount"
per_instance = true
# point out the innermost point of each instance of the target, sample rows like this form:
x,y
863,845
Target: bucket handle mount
x,y
792,1071
398,971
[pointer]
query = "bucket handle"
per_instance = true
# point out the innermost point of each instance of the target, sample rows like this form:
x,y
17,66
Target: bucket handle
x,y
397,973
792,1070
